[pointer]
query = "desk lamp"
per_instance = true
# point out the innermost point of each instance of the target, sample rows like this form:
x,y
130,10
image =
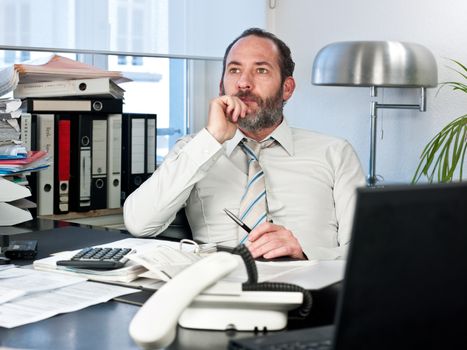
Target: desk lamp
x,y
377,64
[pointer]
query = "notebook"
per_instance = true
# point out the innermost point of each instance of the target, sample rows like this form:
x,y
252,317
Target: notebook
x,y
405,284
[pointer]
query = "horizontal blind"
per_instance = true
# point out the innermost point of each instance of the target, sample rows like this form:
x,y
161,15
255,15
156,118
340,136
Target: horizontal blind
x,y
166,28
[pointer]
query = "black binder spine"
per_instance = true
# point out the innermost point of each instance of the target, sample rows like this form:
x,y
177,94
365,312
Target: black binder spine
x,y
137,136
80,105
81,163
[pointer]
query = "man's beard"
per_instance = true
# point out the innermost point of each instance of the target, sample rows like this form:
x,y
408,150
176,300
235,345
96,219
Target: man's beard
x,y
268,114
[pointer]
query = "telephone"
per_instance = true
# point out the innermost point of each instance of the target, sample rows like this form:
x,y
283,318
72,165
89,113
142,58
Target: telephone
x,y
188,300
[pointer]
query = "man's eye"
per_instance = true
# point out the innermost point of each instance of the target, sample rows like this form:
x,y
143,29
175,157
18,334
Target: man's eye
x,y
262,70
234,70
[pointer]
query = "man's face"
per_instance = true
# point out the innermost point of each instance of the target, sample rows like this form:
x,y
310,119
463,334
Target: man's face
x,y
253,74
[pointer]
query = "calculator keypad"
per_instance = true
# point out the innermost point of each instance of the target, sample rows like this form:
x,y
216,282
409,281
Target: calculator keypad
x,y
98,258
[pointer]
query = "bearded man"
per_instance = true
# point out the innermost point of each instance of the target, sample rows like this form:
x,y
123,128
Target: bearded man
x,y
294,188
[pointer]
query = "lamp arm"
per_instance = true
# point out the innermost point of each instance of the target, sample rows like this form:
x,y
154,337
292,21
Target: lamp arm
x,y
371,180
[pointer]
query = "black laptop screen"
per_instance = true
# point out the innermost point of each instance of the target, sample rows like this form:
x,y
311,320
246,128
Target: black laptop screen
x,y
406,275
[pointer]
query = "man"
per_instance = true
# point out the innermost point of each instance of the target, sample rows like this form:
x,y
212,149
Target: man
x,y
309,179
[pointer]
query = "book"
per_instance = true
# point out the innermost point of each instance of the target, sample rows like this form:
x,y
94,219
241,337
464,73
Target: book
x,y
105,87
52,105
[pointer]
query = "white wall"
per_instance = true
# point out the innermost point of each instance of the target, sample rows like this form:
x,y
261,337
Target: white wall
x,y
308,25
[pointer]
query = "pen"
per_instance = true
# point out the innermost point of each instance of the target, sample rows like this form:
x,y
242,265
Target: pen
x,y
239,223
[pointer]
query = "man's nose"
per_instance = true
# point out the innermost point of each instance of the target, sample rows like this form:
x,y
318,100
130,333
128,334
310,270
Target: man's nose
x,y
245,82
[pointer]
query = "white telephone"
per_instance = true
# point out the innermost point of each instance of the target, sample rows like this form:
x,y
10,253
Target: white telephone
x,y
154,325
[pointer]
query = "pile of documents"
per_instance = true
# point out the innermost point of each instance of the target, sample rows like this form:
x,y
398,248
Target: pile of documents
x,y
28,296
10,108
53,68
29,161
9,127
15,161
49,289
158,260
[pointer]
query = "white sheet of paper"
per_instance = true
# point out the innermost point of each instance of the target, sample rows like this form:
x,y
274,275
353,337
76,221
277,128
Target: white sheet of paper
x,y
39,306
269,270
320,275
27,281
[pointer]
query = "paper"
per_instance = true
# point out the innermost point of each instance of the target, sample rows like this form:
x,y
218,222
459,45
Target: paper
x,y
17,282
268,270
39,306
35,160
55,67
164,262
128,273
8,105
317,276
310,274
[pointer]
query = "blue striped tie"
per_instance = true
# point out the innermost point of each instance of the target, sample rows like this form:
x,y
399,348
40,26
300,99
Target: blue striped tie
x,y
253,205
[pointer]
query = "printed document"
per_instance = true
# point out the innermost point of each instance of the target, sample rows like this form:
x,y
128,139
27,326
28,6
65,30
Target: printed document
x,y
16,282
39,306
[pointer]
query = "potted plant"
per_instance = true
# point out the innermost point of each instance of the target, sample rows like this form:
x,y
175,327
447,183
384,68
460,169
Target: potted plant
x,y
445,153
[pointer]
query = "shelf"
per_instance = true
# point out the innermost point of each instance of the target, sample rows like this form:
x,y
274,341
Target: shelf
x,y
112,218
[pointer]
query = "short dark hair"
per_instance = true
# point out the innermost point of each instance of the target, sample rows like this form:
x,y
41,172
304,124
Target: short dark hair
x,y
286,63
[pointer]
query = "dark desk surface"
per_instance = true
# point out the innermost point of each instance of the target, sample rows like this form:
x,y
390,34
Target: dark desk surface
x,y
105,326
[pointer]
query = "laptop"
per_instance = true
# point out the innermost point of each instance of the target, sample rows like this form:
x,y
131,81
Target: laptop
x,y
405,284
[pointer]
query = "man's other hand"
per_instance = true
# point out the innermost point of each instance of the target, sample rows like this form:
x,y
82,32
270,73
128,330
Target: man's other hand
x,y
272,241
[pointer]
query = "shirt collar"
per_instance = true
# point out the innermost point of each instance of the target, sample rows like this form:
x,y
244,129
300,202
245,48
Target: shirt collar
x,y
282,134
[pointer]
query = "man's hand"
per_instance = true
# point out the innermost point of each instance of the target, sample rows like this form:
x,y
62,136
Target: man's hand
x,y
224,112
271,241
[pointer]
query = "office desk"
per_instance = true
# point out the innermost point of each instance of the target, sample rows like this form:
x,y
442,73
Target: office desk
x,y
105,326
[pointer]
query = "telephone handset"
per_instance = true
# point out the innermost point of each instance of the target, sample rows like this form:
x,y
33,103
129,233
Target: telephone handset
x,y
154,325
251,307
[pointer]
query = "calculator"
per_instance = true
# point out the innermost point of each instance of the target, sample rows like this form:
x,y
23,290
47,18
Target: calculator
x,y
98,258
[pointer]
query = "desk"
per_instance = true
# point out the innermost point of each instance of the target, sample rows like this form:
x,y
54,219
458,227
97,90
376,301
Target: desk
x,y
105,326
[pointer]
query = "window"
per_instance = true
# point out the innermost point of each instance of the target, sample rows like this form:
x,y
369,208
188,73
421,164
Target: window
x,y
158,87
167,47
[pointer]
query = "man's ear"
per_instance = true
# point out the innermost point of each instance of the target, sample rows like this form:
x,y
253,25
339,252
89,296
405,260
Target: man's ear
x,y
288,88
221,88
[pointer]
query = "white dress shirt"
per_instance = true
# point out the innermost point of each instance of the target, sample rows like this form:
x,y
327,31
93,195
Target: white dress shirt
x,y
310,184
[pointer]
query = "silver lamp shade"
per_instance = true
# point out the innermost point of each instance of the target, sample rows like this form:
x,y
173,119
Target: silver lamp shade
x,y
375,63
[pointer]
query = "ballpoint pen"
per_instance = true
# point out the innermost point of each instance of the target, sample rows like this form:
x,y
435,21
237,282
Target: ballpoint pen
x,y
239,223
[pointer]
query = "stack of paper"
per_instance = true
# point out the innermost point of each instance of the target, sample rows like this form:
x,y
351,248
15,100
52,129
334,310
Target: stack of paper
x,y
10,108
13,205
11,147
52,68
31,161
28,296
9,79
9,127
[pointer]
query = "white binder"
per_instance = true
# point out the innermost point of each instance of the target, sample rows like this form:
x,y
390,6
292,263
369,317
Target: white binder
x,y
45,178
114,161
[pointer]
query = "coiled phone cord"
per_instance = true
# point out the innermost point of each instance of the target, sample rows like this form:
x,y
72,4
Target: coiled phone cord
x,y
252,283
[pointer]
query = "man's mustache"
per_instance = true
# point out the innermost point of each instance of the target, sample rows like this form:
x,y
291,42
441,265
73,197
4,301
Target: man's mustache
x,y
250,96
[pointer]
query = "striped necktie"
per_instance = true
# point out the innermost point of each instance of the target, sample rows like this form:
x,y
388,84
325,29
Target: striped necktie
x,y
253,205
